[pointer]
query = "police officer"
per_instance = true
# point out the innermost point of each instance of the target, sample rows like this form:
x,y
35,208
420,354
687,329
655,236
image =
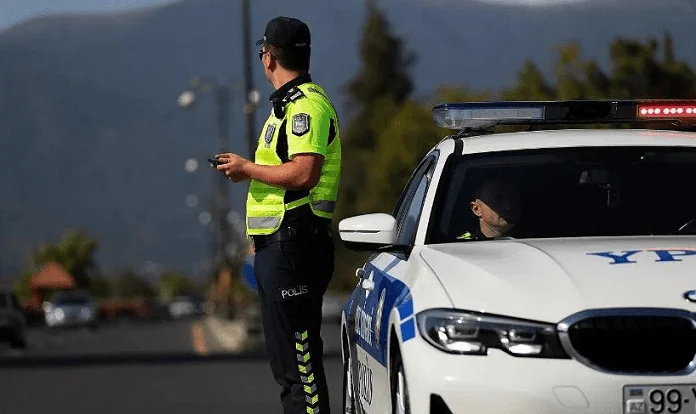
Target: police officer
x,y
293,189
496,204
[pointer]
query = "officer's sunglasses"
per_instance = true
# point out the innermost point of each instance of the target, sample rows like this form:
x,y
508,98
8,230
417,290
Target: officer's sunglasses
x,y
263,52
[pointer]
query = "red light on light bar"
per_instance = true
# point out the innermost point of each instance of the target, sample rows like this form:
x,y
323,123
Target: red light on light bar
x,y
666,111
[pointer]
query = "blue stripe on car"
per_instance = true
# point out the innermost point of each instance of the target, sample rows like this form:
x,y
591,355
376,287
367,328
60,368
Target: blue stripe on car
x,y
408,329
397,295
406,309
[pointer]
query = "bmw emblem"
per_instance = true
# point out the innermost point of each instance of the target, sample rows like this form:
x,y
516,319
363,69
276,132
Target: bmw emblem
x,y
690,296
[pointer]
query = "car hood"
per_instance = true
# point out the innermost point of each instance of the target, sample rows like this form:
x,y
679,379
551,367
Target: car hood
x,y
549,279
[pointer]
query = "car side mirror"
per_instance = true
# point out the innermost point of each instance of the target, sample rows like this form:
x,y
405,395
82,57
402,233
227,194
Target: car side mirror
x,y
369,232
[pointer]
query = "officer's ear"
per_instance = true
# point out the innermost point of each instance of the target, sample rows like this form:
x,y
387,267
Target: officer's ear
x,y
271,62
476,208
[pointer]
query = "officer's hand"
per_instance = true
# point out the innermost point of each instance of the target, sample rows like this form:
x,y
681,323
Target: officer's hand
x,y
233,166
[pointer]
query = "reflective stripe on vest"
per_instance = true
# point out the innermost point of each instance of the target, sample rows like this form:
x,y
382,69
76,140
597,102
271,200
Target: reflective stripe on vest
x,y
327,207
265,203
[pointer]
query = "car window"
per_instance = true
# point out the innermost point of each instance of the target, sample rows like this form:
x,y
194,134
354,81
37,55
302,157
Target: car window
x,y
72,299
407,231
574,192
413,203
407,195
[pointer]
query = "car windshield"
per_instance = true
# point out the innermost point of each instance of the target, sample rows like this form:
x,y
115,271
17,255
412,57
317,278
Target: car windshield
x,y
574,192
71,299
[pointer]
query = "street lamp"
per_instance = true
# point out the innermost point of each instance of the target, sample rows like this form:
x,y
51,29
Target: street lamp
x,y
220,198
219,211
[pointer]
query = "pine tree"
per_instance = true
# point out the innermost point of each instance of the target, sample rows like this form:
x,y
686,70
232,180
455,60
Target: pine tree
x,y
381,85
376,93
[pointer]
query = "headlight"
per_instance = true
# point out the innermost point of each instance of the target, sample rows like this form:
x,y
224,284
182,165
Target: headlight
x,y
86,313
471,333
58,314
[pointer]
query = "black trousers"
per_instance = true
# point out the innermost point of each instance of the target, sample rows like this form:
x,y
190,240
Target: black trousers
x,y
292,278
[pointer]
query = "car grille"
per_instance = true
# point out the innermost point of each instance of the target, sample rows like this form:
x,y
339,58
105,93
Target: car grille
x,y
635,344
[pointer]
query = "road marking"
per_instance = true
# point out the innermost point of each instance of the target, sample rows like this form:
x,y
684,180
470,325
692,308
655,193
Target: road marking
x,y
198,337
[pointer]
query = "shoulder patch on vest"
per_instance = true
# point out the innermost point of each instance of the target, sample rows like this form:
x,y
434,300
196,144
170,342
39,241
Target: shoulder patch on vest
x,y
294,94
300,124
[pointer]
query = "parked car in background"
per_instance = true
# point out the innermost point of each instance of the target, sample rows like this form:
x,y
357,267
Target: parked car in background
x,y
186,306
13,324
72,308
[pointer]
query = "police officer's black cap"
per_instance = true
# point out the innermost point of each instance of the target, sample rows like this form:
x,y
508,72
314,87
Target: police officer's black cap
x,y
286,33
502,196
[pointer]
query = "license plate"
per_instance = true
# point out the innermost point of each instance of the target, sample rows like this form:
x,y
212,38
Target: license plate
x,y
659,399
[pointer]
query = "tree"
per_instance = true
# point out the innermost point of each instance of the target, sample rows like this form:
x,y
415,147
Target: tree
x,y
381,85
129,285
407,137
21,286
172,284
638,71
577,78
531,85
383,74
376,94
99,287
75,253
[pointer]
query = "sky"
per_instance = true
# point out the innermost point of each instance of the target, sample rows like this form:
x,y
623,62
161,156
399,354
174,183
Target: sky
x,y
16,11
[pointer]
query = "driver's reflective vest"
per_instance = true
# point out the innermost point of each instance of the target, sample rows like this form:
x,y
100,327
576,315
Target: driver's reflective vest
x,y
308,125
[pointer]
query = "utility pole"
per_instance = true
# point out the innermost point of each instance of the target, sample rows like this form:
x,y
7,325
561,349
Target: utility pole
x,y
249,105
222,194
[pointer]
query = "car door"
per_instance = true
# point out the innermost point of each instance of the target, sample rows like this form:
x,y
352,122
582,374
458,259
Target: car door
x,y
381,289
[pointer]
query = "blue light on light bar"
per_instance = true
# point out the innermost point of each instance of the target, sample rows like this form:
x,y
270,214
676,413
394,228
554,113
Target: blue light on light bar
x,y
485,114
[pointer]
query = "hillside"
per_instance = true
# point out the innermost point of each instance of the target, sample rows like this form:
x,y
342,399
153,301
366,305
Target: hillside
x,y
90,135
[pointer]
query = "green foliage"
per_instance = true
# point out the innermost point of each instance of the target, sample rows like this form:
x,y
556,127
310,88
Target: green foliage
x,y
100,288
381,85
390,132
74,252
376,95
531,85
405,140
639,72
172,284
129,285
384,65
21,286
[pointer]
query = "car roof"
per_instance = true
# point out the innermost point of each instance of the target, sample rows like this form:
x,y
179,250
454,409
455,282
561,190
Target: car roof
x,y
576,138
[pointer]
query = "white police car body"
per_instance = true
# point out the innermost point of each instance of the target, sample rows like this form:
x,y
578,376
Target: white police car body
x,y
592,313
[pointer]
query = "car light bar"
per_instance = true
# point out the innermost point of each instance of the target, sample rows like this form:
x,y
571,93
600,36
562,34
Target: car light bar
x,y
662,110
477,115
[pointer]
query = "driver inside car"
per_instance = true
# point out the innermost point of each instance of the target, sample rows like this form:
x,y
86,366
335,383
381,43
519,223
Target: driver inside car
x,y
497,207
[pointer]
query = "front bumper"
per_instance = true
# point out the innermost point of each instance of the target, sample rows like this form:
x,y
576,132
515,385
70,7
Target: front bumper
x,y
69,319
500,383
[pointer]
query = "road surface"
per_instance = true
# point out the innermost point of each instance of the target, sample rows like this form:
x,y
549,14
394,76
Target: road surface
x,y
143,368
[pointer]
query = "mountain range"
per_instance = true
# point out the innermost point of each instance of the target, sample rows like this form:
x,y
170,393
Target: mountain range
x,y
91,136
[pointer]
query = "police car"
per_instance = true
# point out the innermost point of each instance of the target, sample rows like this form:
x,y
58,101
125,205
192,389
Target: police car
x,y
588,308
